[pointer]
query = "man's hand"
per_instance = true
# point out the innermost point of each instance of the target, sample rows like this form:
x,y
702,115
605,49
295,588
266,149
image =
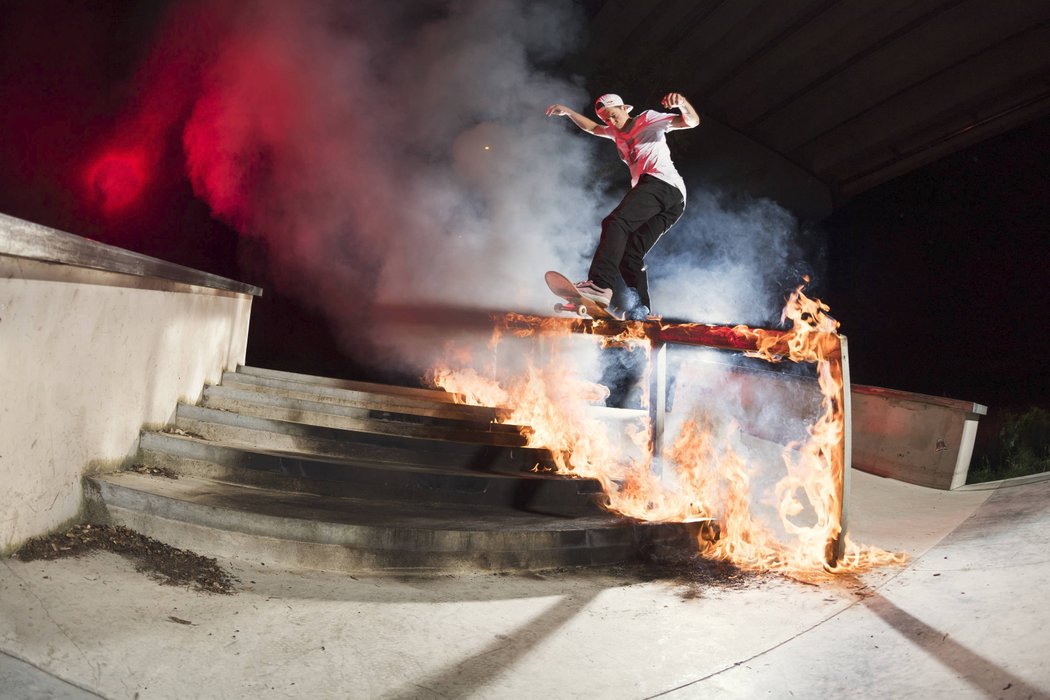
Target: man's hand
x,y
557,110
673,99
688,117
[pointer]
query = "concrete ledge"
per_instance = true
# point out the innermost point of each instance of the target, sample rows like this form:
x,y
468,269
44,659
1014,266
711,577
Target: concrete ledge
x,y
24,239
919,439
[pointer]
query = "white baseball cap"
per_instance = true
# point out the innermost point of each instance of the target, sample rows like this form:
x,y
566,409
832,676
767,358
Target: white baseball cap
x,y
610,100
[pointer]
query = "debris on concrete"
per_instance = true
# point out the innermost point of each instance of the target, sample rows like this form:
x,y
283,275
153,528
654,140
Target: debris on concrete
x,y
697,575
153,471
182,433
164,563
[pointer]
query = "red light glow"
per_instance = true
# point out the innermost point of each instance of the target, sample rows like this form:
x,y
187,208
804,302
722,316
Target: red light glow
x,y
116,180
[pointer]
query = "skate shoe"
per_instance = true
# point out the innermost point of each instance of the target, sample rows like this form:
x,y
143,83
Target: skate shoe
x,y
599,295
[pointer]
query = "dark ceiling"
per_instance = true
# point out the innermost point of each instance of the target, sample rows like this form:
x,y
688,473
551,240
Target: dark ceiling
x,y
852,92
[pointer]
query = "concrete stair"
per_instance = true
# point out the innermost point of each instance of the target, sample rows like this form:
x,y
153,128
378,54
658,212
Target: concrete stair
x,y
306,471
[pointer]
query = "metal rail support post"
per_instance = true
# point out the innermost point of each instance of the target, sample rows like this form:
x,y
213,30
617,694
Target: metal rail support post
x,y
836,548
657,402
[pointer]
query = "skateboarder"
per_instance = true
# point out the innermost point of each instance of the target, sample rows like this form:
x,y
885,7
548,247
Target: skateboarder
x,y
654,203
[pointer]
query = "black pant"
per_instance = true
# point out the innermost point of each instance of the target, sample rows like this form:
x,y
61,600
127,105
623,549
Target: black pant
x,y
630,231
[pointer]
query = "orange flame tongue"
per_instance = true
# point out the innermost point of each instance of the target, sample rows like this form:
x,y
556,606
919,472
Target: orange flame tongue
x,y
467,386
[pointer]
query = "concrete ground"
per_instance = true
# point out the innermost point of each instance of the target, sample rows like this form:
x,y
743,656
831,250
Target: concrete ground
x,y
966,617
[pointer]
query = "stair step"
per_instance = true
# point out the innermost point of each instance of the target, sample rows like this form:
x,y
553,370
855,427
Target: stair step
x,y
334,474
222,426
360,399
254,403
350,534
430,394
392,481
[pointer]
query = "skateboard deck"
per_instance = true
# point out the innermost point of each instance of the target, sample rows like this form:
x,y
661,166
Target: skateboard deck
x,y
563,287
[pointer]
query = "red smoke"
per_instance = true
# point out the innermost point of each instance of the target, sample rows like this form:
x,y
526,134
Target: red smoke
x,y
166,87
240,124
116,180
343,141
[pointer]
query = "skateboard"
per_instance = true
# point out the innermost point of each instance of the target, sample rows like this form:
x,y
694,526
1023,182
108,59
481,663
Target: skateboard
x,y
583,307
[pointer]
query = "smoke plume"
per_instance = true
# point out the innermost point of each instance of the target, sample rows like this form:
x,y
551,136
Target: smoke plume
x,y
728,260
386,156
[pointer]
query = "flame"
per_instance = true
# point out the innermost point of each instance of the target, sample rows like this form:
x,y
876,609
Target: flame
x,y
704,473
469,387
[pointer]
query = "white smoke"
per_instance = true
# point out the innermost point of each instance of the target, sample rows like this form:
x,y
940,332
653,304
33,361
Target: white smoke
x,y
726,262
396,155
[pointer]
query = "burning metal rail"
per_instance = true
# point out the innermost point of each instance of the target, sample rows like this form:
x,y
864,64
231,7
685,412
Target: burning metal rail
x,y
739,338
769,343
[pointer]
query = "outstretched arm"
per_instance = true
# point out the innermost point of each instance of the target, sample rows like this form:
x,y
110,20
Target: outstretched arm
x,y
588,125
688,117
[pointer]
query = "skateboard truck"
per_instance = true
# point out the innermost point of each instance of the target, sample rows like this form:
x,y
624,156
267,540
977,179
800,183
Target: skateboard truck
x,y
577,309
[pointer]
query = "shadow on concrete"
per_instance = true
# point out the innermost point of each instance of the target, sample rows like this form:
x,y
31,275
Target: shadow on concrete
x,y
22,679
474,673
421,588
984,675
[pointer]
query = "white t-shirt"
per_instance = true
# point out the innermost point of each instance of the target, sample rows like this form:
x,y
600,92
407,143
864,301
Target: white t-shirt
x,y
643,147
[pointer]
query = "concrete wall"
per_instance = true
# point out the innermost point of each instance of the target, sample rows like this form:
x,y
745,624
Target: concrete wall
x,y
924,440
88,357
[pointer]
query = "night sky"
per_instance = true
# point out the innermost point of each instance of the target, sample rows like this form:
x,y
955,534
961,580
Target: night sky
x,y
939,277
